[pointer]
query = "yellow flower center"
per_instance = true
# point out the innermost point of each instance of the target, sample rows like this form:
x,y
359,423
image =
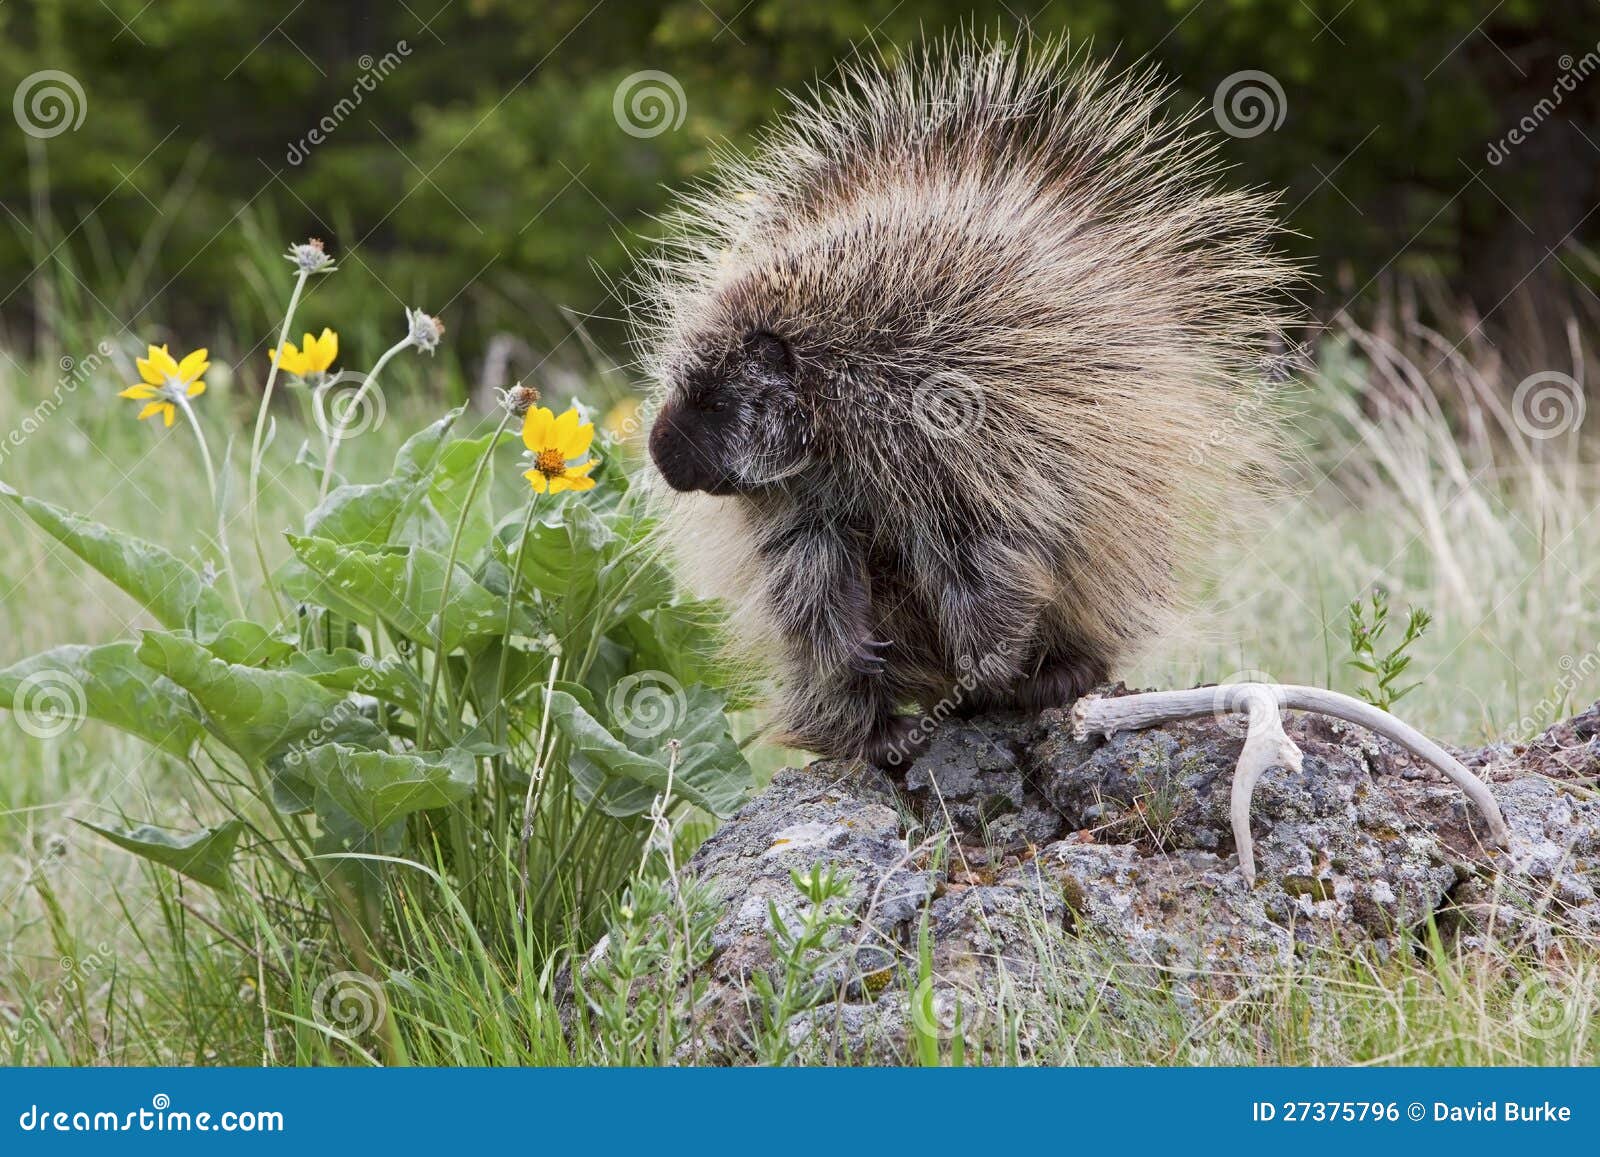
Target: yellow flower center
x,y
550,463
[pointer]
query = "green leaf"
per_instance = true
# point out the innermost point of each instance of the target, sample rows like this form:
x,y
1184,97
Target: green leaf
x,y
264,716
709,771
684,640
249,643
451,479
377,787
106,683
354,514
345,669
155,577
404,589
203,855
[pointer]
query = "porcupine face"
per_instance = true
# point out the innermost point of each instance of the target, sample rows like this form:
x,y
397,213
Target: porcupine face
x,y
731,421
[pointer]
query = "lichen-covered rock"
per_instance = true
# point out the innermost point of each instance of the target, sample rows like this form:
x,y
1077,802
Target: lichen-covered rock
x,y
1007,834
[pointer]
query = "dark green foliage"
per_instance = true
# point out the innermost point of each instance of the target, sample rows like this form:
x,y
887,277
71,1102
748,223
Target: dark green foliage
x,y
485,175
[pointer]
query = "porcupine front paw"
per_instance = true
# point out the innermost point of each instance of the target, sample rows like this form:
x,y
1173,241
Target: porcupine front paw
x,y
1060,681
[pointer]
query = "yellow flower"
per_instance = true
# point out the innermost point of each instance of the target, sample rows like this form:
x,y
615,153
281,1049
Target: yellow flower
x,y
165,381
554,442
314,356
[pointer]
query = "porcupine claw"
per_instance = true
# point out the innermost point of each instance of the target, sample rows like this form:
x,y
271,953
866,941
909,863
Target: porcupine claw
x,y
869,658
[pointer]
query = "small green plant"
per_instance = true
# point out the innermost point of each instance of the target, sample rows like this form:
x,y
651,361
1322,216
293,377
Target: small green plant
x,y
498,692
808,956
1368,622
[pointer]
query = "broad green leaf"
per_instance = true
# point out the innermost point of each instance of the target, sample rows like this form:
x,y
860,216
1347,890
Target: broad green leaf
x,y
708,771
249,643
447,493
403,588
203,855
354,514
267,717
106,683
156,578
377,787
344,669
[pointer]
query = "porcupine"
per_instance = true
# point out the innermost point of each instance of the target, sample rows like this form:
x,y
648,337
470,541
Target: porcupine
x,y
955,374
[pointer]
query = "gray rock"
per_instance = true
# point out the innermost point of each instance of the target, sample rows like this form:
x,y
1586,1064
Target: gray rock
x,y
1007,836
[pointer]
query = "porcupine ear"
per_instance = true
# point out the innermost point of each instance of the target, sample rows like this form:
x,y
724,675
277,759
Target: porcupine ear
x,y
769,351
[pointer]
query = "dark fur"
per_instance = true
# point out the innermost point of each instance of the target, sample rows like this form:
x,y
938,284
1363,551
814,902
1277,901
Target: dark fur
x,y
1027,236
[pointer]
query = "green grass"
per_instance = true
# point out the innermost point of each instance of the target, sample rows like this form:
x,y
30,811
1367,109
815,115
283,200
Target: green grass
x,y
106,960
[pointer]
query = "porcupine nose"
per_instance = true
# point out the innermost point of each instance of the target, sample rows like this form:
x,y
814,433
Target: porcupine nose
x,y
672,451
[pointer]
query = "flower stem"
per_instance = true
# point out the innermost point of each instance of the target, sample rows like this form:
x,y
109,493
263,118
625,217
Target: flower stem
x,y
355,405
449,574
511,604
255,444
216,499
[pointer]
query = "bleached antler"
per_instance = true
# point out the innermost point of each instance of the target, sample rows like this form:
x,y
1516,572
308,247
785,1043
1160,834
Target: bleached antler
x,y
1266,745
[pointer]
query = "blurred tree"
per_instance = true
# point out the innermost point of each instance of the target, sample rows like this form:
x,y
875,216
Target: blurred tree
x,y
470,156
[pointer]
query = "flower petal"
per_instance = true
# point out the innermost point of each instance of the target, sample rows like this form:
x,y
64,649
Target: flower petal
x,y
536,429
582,468
193,366
171,412
327,349
573,435
157,366
139,393
152,408
196,389
577,483
537,480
